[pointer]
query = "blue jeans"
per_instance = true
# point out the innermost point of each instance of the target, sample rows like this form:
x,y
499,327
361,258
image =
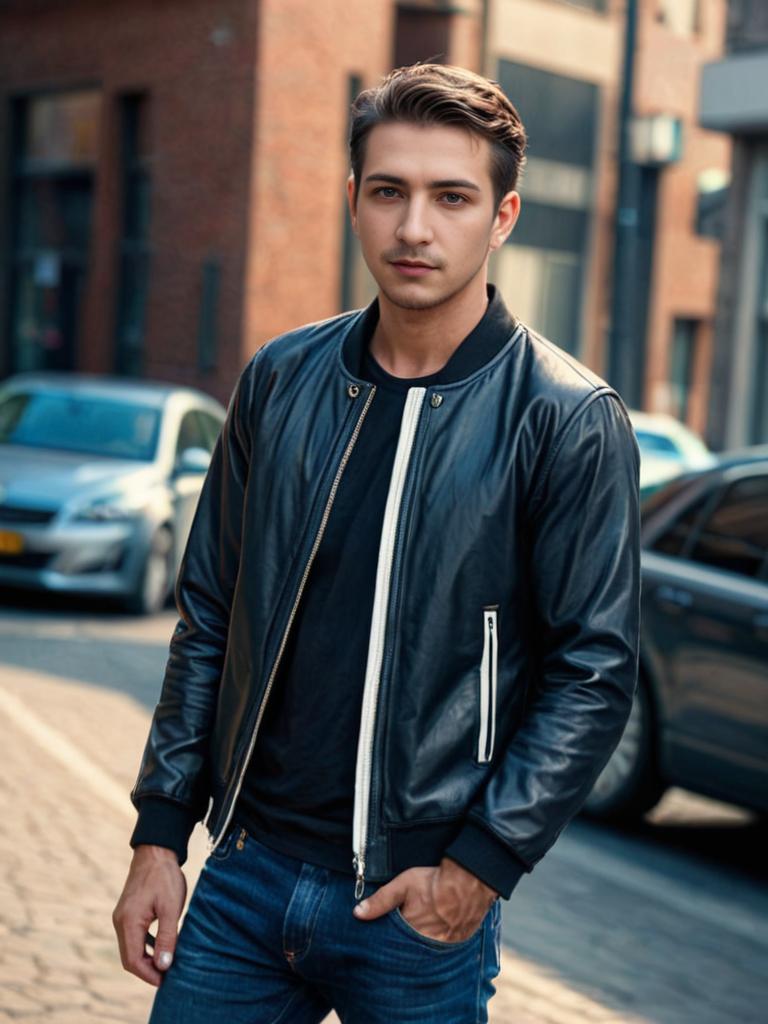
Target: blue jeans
x,y
269,939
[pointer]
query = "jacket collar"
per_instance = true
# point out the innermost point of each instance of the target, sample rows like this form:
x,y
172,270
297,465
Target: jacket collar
x,y
490,334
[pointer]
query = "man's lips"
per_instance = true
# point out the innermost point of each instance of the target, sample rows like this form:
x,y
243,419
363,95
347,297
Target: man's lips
x,y
412,268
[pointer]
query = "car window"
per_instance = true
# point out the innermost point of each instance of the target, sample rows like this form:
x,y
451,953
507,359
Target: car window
x,y
191,433
676,538
211,427
735,536
655,444
82,423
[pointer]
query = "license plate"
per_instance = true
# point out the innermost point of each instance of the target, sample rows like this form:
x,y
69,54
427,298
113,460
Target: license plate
x,y
11,543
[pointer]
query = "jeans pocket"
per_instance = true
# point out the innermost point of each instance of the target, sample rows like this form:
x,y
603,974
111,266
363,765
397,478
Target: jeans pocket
x,y
397,918
225,847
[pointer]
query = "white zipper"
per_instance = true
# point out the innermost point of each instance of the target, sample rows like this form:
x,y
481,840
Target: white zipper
x,y
488,674
410,418
318,537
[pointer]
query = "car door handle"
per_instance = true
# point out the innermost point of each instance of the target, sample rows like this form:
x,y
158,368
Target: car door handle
x,y
674,597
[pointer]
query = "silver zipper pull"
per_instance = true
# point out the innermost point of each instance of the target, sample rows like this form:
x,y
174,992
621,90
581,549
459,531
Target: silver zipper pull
x,y
359,865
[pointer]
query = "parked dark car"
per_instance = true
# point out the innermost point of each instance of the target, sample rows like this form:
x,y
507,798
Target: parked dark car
x,y
700,715
99,480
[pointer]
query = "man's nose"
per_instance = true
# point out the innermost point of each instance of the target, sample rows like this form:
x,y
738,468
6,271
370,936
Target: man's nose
x,y
414,228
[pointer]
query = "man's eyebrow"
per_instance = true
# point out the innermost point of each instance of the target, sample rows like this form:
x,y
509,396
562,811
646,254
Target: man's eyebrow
x,y
392,179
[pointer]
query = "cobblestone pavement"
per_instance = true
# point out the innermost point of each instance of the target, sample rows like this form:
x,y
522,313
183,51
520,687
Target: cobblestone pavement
x,y
70,752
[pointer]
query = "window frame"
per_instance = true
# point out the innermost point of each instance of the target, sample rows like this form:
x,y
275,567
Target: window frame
x,y
711,502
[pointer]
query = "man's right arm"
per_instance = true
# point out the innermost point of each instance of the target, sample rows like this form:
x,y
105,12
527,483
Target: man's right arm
x,y
175,762
171,791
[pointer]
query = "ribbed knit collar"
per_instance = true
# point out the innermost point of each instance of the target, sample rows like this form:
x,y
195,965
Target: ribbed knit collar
x,y
489,335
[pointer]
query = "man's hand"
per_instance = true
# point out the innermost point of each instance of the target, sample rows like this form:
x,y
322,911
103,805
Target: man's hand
x,y
447,902
155,888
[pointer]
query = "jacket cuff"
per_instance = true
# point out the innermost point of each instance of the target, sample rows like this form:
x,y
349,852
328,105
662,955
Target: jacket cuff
x,y
487,857
164,822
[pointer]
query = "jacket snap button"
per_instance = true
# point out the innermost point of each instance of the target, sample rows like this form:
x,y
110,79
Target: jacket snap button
x,y
435,400
353,390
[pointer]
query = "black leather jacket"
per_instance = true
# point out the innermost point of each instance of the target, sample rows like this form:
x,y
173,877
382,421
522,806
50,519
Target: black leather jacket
x,y
503,649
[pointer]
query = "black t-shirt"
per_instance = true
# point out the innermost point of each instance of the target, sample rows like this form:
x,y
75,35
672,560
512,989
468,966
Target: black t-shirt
x,y
298,792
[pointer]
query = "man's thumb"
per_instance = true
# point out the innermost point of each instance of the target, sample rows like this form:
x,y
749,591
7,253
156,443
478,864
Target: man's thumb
x,y
379,902
165,944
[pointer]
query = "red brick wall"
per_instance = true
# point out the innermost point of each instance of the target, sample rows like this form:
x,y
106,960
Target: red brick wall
x,y
196,59
306,53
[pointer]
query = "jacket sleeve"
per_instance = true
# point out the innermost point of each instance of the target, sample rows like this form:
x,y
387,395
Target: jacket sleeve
x,y
171,791
585,571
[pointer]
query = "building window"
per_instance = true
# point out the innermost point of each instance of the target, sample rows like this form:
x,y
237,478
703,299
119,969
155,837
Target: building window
x,y
711,198
53,160
61,130
133,246
540,270
683,17
760,407
759,425
682,358
421,33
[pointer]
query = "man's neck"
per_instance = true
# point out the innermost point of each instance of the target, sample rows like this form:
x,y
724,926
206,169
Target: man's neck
x,y
419,342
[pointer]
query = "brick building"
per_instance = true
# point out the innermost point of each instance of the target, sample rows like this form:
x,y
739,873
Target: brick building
x,y
562,65
175,179
734,100
174,184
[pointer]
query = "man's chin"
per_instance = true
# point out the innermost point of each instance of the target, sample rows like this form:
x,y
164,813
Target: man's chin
x,y
414,298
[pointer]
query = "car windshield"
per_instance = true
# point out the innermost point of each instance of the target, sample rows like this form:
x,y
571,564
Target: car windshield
x,y
656,444
69,422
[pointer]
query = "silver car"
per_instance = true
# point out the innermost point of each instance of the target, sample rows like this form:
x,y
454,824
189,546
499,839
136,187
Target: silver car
x,y
99,481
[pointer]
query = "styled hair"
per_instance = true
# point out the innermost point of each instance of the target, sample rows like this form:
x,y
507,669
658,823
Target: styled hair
x,y
437,94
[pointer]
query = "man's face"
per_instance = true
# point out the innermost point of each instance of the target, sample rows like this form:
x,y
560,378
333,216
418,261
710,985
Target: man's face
x,y
425,211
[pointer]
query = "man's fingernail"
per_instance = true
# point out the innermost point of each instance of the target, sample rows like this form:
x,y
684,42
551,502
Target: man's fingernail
x,y
165,960
361,908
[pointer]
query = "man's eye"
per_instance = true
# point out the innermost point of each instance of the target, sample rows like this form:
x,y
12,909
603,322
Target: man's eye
x,y
454,198
386,192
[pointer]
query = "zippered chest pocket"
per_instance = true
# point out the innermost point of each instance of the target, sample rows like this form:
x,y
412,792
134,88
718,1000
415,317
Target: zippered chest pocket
x,y
488,684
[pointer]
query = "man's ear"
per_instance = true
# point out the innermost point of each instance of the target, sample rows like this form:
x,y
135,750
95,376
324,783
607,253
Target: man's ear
x,y
506,217
351,201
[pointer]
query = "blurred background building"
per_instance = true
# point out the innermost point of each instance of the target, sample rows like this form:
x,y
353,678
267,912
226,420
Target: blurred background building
x,y
734,100
173,180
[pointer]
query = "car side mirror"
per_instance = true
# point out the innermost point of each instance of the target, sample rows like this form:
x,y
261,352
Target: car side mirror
x,y
193,460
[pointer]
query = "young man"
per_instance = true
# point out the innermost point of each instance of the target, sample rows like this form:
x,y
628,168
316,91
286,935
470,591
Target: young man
x,y
409,616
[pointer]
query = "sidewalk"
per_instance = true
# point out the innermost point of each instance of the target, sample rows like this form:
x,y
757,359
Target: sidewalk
x,y
69,756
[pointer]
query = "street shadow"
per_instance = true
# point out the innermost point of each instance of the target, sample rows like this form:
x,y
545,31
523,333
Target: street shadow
x,y
738,845
665,922
130,664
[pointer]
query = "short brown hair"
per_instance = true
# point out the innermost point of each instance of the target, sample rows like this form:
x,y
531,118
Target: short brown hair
x,y
443,94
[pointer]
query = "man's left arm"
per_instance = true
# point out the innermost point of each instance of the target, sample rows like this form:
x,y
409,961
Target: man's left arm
x,y
585,567
584,559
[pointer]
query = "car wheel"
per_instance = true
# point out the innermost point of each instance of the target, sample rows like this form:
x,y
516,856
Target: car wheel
x,y
156,577
630,783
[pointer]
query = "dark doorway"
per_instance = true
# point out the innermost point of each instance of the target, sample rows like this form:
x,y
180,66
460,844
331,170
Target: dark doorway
x,y
52,196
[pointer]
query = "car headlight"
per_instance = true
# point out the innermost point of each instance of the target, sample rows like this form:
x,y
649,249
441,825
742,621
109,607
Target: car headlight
x,y
111,508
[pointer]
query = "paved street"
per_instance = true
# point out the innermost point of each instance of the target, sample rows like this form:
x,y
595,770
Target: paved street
x,y
667,925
